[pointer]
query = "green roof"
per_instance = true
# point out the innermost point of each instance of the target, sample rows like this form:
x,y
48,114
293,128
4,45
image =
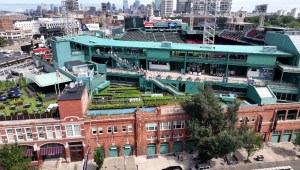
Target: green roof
x,y
49,79
244,49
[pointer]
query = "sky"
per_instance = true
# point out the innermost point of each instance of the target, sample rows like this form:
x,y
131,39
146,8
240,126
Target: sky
x,y
248,5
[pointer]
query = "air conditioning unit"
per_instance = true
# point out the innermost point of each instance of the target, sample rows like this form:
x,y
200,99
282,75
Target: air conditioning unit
x,y
166,44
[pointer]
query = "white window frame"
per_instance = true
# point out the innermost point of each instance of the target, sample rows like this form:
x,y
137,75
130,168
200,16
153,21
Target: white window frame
x,y
50,132
26,133
58,131
151,127
151,137
124,129
94,131
175,124
111,130
129,128
17,135
165,126
8,134
164,136
99,130
178,136
37,131
115,129
73,130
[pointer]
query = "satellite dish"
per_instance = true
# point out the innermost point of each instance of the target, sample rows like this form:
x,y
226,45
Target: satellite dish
x,y
72,85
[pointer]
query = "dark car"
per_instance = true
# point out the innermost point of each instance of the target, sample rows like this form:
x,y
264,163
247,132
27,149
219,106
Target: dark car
x,y
15,95
3,98
173,168
13,90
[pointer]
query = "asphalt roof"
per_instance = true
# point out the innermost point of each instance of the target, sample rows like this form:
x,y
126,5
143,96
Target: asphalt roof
x,y
48,79
95,41
72,94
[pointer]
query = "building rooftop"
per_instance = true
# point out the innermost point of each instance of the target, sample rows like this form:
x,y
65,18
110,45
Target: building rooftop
x,y
75,63
49,79
94,41
74,93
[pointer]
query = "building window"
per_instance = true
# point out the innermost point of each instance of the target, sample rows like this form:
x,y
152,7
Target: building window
x,y
73,130
281,115
100,130
151,137
123,128
165,125
151,127
178,124
241,119
40,132
49,132
58,133
29,135
19,134
94,131
253,118
115,129
109,130
10,134
177,135
129,128
292,114
165,136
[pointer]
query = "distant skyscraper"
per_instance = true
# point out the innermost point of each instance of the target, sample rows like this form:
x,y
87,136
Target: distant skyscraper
x,y
166,8
108,6
157,5
113,7
103,7
137,4
294,13
125,5
70,5
180,7
52,7
223,7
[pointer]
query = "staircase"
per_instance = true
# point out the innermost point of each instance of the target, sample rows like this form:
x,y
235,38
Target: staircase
x,y
124,64
167,87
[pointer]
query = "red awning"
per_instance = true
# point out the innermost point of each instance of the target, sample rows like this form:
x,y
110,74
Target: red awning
x,y
51,151
28,152
46,57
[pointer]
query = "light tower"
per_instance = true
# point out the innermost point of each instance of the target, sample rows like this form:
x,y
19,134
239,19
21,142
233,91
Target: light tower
x,y
211,10
69,7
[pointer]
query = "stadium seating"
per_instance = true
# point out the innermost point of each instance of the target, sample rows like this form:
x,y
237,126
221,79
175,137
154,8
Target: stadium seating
x,y
235,36
255,34
150,35
134,36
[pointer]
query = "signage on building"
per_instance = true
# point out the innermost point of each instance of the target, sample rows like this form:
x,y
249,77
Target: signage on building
x,y
118,17
161,24
171,110
149,24
90,27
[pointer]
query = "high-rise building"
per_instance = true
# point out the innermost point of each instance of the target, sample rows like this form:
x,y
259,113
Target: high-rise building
x,y
180,6
52,7
137,4
113,7
70,5
149,10
108,6
294,13
103,7
222,8
125,5
157,5
166,8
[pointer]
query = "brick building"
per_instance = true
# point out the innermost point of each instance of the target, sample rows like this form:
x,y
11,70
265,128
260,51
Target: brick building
x,y
6,24
144,131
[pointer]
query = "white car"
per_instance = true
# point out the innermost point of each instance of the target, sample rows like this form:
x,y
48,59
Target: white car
x,y
50,107
201,167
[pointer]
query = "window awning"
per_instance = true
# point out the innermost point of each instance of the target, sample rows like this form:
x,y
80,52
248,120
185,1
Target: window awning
x,y
28,152
51,151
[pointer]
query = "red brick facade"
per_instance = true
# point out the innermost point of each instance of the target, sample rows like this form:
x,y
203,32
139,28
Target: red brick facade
x,y
166,125
6,24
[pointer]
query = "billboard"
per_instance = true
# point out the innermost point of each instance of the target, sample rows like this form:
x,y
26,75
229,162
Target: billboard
x,y
149,24
161,24
90,27
131,23
118,17
172,25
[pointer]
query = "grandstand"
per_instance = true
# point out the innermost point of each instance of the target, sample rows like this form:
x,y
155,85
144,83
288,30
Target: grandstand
x,y
255,34
235,36
134,35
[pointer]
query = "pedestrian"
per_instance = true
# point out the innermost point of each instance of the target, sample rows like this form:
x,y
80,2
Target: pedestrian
x,y
178,157
181,158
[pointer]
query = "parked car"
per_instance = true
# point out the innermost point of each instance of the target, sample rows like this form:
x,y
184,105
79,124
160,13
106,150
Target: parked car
x,y
201,166
15,95
173,168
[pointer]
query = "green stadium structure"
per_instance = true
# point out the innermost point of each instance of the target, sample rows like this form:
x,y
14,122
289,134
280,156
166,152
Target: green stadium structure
x,y
264,74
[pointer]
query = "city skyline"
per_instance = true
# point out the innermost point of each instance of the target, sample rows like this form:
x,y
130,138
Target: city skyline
x,y
249,5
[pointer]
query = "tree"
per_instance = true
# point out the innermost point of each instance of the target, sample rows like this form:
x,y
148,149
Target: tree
x,y
297,141
2,42
252,141
214,131
98,158
12,158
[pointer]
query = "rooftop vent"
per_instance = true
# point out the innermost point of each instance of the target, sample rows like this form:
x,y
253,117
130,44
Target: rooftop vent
x,y
269,48
166,44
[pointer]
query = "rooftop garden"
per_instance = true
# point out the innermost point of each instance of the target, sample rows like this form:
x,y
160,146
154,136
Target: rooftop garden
x,y
118,97
15,101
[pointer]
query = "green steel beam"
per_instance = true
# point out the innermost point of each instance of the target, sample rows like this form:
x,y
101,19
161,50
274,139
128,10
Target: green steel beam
x,y
184,62
281,77
226,71
90,53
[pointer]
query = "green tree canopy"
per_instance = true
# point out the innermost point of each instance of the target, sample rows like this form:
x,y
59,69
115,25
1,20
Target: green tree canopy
x,y
12,157
214,132
2,42
98,158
